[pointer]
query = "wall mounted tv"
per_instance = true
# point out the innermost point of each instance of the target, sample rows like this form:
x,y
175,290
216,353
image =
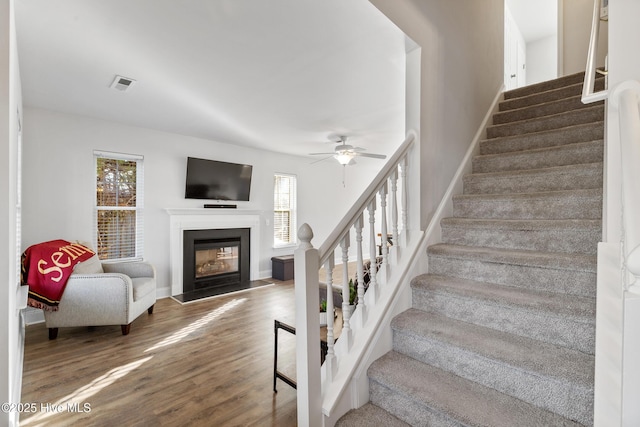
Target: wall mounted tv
x,y
214,180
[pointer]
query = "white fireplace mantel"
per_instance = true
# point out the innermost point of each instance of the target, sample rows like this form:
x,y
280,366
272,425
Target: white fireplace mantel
x,y
181,219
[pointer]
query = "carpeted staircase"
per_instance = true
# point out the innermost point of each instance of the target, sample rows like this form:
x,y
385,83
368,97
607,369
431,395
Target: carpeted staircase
x,y
502,329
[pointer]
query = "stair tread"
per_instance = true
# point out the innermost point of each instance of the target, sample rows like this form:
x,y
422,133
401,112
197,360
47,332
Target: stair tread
x,y
542,359
369,415
572,80
551,260
557,116
537,158
551,169
444,392
549,235
546,108
556,195
555,304
550,178
531,151
545,86
579,129
523,224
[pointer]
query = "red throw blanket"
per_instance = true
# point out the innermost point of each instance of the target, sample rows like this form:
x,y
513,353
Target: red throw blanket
x,y
46,268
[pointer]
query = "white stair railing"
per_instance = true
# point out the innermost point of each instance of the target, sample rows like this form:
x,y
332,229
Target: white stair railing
x,y
588,94
342,355
626,97
618,303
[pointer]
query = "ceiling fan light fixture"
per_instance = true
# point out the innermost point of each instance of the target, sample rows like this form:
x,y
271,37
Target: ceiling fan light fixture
x,y
343,158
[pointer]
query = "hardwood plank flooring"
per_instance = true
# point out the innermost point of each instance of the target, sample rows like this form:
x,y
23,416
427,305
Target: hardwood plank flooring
x,y
206,363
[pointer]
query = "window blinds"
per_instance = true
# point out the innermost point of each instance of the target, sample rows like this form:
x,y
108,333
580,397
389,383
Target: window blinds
x,y
284,207
119,206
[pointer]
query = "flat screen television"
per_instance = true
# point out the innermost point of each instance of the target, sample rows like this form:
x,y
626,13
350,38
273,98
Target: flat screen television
x,y
214,180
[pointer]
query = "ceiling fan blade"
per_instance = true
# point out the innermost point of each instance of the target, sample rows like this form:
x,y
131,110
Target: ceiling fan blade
x,y
320,160
373,156
321,154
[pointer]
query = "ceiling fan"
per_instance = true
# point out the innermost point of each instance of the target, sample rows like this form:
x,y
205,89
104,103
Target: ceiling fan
x,y
345,153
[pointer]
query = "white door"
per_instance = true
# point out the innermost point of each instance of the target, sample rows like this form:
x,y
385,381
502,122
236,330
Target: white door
x,y
521,65
514,53
537,56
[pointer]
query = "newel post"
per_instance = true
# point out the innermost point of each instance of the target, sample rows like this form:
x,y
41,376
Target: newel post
x,y
306,266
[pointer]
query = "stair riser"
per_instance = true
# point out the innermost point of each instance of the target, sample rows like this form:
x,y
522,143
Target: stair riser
x,y
582,283
587,115
575,154
549,240
552,180
540,110
564,398
540,325
553,138
407,409
560,207
532,96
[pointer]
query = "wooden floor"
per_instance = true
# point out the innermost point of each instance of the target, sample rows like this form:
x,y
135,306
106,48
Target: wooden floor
x,y
206,363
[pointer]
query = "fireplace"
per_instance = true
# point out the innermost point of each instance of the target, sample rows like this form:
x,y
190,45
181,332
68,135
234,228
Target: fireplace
x,y
215,258
199,219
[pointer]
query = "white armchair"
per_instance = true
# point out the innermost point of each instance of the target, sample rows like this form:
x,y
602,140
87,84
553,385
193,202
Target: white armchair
x,y
104,294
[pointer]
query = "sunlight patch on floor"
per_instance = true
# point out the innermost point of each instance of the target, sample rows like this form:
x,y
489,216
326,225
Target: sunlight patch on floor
x,y
203,321
76,401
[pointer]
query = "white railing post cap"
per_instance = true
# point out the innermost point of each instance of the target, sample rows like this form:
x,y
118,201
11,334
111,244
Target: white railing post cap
x,y
305,234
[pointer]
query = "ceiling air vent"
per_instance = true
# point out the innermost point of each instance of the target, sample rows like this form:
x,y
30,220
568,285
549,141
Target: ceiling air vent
x,y
122,83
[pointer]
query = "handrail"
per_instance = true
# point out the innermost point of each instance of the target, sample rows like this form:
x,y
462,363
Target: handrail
x,y
385,272
332,241
626,97
588,94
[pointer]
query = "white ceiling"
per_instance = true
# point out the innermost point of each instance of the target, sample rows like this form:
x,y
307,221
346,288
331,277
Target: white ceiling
x,y
280,75
536,19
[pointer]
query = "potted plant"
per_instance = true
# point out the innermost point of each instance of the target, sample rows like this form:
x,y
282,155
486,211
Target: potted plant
x,y
323,312
353,294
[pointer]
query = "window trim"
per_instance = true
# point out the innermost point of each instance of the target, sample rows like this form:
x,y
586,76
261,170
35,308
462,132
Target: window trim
x,y
139,208
293,213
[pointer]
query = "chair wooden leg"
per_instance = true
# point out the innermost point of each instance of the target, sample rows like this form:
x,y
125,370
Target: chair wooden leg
x,y
126,329
53,333
150,309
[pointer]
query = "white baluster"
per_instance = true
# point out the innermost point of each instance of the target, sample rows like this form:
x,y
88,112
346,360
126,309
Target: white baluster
x,y
360,267
383,271
393,258
306,266
346,334
373,280
403,201
330,359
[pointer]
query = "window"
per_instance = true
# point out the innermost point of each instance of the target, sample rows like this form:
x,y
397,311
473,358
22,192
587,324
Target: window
x,y
119,202
284,210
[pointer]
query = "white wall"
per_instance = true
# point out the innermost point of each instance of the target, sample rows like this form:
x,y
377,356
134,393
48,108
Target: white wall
x,y
576,16
11,328
58,186
542,59
462,71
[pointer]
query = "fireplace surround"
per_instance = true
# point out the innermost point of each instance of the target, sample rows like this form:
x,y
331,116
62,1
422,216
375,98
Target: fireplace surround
x,y
184,219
